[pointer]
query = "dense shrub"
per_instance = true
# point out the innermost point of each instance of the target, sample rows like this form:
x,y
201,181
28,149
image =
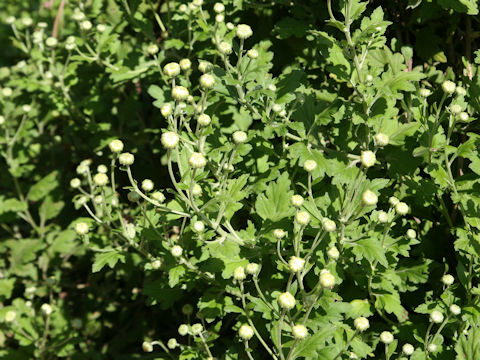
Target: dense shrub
x,y
239,180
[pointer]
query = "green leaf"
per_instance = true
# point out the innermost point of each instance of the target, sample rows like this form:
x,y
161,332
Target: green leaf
x,y
175,274
6,287
468,346
309,346
107,258
274,204
43,187
370,249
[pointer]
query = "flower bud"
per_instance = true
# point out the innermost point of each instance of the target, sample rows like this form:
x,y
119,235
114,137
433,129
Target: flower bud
x,y
460,91
401,208
381,139
333,253
448,279
170,140
75,183
239,137
10,316
46,309
197,160
279,233
10,20
327,280
463,116
244,31
102,169
286,301
245,332
432,348
386,337
252,268
98,199
176,251
361,323
309,165
230,26
126,159
296,264
225,48
425,93
156,264
204,120
116,146
455,309
369,198
183,330
207,81
197,190
147,346
147,185
180,93
408,349
133,196
219,8
7,92
455,109
172,343
448,87
152,49
302,217
299,332
219,18
101,28
329,225
411,234
382,217
252,54
100,179
198,226
85,25
166,110
239,273
368,158
297,200
187,309
2,120
197,329
81,228
171,69
436,316
51,42
205,66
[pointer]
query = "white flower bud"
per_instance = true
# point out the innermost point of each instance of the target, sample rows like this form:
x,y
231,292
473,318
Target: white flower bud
x,y
329,225
176,251
133,196
381,139
333,253
147,185
126,159
408,349
98,199
361,323
207,81
219,18
369,198
166,110
286,301
101,28
327,280
204,120
75,183
197,329
448,279
239,273
448,87
205,66
279,233
85,25
10,20
183,8
147,347
180,93
2,120
277,108
81,228
386,337
46,309
432,348
296,264
302,217
51,42
225,48
158,196
102,169
369,78
244,31
197,160
170,140
183,330
219,8
78,15
252,54
463,116
272,87
156,264
299,332
436,316
26,108
230,26
171,69
455,309
10,316
368,158
297,200
309,165
425,93
197,3
411,234
239,137
185,64
116,146
455,109
382,217
7,92
245,332
197,190
401,208
252,268
172,343
393,200
460,91
198,226
153,49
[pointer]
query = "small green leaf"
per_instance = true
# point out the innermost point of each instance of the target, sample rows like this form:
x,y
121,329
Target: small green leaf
x,y
107,258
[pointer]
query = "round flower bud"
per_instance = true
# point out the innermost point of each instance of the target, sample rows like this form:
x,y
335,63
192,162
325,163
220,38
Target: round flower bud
x,y
207,81
185,64
252,268
197,160
299,332
432,348
297,200
218,7
176,251
369,198
279,233
239,273
329,225
85,25
10,316
102,169
239,137
197,3
81,228
46,309
153,49
369,78
158,196
448,87
170,140
408,349
225,48
381,139
183,330
126,159
205,66
401,208
7,92
368,158
171,69
75,183
10,20
183,8
272,87
147,347
172,343
180,93
147,185
116,146
309,165
166,110
156,264
286,301
101,28
448,279
382,217
198,226
436,316
26,108
197,329
386,337
197,190
204,120
230,26
277,108
2,120
327,280
455,109
296,264
245,332
252,54
361,323
302,217
463,116
411,234
51,42
98,199
425,93
82,200
244,31
133,196
393,200
333,253
219,18
455,309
